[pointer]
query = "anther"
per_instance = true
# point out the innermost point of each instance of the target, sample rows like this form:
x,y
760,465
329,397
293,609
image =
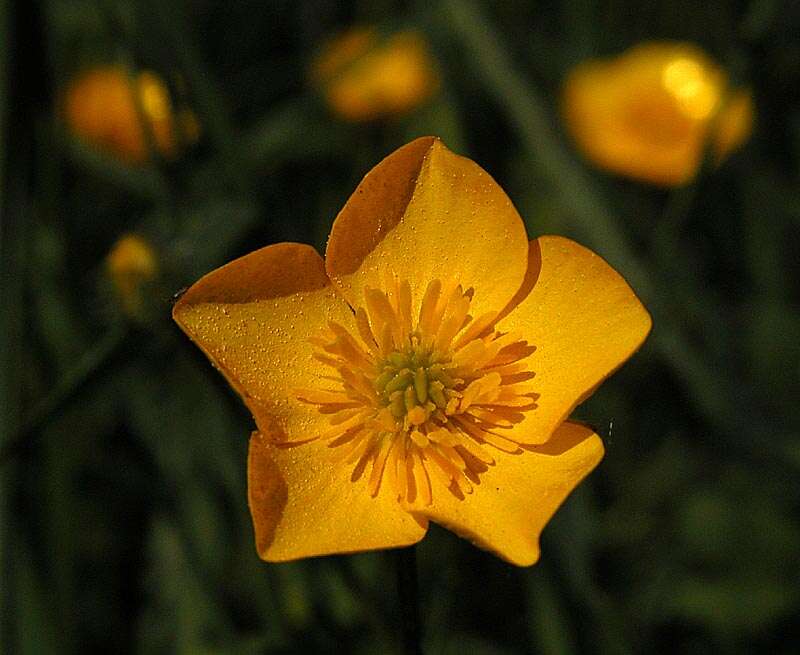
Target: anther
x,y
417,415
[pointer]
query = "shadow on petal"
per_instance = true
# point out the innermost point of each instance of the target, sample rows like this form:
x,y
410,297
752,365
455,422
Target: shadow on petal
x,y
267,492
561,442
531,277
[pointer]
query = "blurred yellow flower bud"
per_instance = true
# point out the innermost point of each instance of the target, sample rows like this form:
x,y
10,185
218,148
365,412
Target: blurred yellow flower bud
x,y
647,113
364,77
131,265
100,107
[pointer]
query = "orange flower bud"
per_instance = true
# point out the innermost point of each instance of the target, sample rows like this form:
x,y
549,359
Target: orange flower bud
x,y
130,265
100,106
364,77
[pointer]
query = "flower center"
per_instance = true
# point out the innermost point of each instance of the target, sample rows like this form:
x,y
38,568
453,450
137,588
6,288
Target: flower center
x,y
414,383
422,396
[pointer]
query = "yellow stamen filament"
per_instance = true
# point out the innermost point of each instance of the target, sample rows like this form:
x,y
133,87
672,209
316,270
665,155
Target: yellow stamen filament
x,y
415,407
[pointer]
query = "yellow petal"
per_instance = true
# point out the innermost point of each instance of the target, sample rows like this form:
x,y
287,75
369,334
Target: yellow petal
x,y
584,321
423,214
253,318
303,505
516,497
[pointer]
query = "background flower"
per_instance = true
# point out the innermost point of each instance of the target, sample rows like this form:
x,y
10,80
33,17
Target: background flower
x,y
364,75
649,112
113,110
131,265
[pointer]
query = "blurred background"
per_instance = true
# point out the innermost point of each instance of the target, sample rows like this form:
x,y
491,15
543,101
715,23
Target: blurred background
x,y
144,143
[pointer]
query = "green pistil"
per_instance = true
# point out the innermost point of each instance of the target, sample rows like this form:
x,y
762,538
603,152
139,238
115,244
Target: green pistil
x,y
398,360
416,377
383,379
400,381
438,372
396,405
421,385
410,398
436,391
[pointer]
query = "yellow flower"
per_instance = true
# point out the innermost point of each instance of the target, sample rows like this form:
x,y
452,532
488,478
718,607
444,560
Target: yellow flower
x,y
364,78
422,372
100,106
647,113
130,265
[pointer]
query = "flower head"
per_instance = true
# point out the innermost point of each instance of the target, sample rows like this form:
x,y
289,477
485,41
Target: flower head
x,y
423,371
364,77
648,112
103,107
130,265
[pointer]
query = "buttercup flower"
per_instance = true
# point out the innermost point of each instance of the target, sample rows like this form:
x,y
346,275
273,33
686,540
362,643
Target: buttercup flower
x,y
130,265
100,107
422,372
365,78
648,112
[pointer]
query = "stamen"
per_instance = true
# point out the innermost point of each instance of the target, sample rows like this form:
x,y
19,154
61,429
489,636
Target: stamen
x,y
386,345
447,293
322,396
420,439
346,414
378,465
453,322
381,310
475,329
365,332
401,477
411,483
421,403
438,468
343,453
428,306
416,415
423,484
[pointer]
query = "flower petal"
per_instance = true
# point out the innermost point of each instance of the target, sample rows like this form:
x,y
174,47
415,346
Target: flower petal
x,y
304,504
584,321
507,510
253,318
422,214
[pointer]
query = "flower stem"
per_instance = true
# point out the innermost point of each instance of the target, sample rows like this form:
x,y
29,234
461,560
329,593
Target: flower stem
x,y
406,563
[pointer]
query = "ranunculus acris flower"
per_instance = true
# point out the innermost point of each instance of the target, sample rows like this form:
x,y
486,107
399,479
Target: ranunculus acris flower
x,y
423,371
647,113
